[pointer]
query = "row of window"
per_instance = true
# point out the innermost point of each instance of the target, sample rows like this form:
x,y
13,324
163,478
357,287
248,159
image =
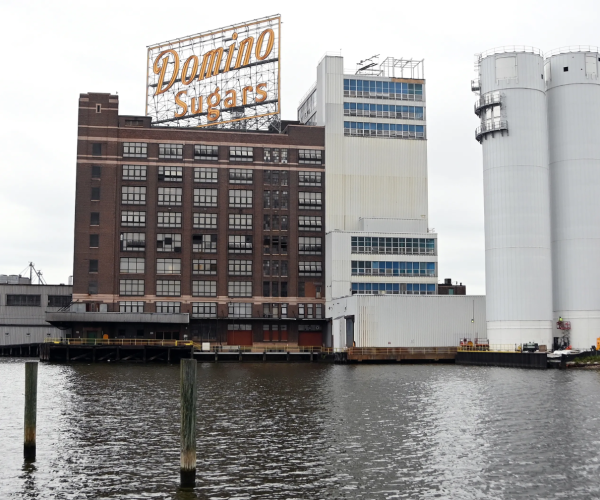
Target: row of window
x,y
393,288
234,310
391,130
136,242
211,175
238,198
36,300
384,111
271,222
137,265
393,246
172,288
211,153
382,268
391,90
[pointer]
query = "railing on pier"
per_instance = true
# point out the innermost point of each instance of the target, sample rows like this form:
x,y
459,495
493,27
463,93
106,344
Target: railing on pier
x,y
491,348
120,342
400,350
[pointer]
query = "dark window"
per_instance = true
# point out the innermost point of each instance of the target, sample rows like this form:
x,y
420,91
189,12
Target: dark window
x,y
284,289
93,266
96,171
565,69
140,333
24,300
93,288
59,300
95,193
94,240
96,149
95,219
301,289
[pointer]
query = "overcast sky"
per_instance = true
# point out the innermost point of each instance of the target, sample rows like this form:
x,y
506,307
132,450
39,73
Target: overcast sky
x,y
53,51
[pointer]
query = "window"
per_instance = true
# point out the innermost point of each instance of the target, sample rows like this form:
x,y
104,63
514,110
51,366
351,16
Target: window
x,y
240,310
275,155
310,156
96,149
205,174
171,288
275,333
131,287
275,222
169,219
135,149
133,195
204,266
275,245
95,194
170,174
240,267
204,309
384,111
278,200
393,288
204,288
168,307
275,268
393,246
24,300
133,242
93,288
131,307
174,151
310,223
379,90
132,265
134,172
59,300
205,221
239,289
96,171
309,201
310,311
310,268
241,153
134,123
238,327
240,198
240,221
168,266
239,244
93,266
206,152
205,197
204,243
94,240
276,177
133,219
240,176
310,178
95,219
386,130
309,245
168,242
276,310
169,196
275,289
384,268
98,108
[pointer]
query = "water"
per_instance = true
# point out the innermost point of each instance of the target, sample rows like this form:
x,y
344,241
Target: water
x,y
306,431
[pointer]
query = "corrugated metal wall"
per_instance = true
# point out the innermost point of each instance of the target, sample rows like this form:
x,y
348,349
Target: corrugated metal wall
x,y
574,136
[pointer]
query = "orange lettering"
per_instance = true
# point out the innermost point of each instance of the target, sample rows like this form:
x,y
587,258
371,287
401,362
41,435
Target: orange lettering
x,y
162,69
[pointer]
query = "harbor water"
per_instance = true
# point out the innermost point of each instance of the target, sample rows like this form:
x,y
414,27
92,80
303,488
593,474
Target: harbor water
x,y
306,431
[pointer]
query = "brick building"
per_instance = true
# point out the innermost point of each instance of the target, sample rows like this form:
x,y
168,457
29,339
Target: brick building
x,y
217,235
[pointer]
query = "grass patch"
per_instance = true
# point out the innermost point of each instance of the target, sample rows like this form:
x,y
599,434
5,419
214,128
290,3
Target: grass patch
x,y
587,359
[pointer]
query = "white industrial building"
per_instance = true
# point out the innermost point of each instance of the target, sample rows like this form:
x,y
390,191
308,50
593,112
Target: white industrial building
x,y
23,307
378,240
540,123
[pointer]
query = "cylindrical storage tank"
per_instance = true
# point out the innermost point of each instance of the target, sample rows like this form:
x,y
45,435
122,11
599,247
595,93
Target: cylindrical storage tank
x,y
573,92
514,138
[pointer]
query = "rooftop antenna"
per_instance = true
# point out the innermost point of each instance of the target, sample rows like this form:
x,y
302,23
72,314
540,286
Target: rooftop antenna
x,y
370,62
32,270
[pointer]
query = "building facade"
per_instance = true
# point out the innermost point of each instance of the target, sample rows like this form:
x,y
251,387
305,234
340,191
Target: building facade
x,y
23,309
220,233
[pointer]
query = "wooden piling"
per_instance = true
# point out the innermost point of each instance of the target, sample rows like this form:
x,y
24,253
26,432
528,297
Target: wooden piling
x,y
31,376
188,422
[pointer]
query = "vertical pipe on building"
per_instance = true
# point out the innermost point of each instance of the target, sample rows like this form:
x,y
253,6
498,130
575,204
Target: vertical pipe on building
x,y
31,377
188,423
514,140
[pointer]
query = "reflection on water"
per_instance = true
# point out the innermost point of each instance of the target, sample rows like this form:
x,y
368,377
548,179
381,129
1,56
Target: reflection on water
x,y
305,431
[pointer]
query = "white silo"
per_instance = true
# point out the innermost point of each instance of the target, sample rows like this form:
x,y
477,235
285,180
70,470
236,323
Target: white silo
x,y
573,94
513,134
